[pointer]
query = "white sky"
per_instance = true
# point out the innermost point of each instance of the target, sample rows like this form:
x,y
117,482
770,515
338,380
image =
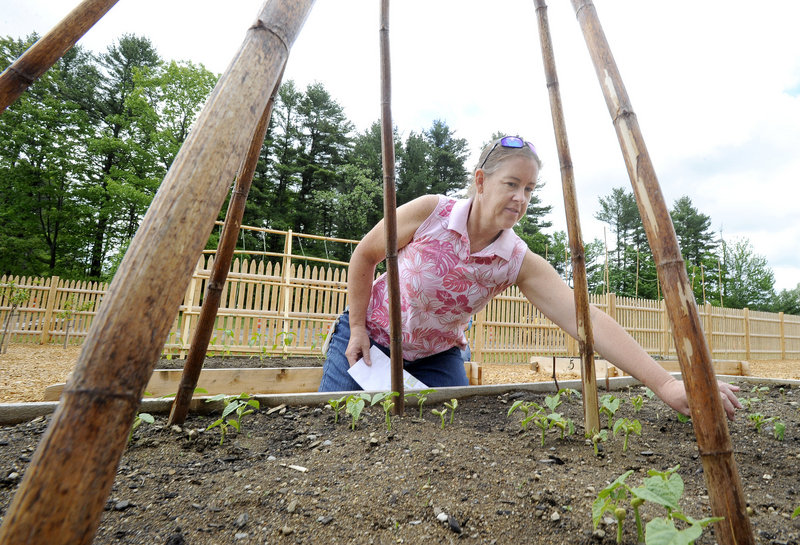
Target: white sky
x,y
715,86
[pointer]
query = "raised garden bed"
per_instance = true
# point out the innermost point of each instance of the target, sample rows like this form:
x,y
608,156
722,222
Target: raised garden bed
x,y
291,475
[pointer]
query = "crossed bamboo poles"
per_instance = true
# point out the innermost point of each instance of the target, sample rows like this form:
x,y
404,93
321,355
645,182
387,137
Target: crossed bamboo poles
x,y
78,455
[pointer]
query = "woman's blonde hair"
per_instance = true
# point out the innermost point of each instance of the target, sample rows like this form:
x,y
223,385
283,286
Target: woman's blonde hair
x,y
493,156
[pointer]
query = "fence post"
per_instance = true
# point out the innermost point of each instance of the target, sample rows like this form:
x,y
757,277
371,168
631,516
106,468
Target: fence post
x,y
48,311
188,303
664,330
479,334
783,336
747,333
286,293
708,325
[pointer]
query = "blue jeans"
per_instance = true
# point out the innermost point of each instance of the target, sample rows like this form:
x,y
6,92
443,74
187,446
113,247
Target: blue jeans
x,y
436,371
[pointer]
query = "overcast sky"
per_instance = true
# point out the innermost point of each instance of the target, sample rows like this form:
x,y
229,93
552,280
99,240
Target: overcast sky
x,y
715,86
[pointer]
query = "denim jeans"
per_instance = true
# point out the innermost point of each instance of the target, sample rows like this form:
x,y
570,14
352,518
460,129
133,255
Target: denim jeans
x,y
436,371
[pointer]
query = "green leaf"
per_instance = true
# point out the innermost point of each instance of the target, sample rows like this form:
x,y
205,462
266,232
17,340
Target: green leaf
x,y
147,417
663,492
661,531
229,408
233,422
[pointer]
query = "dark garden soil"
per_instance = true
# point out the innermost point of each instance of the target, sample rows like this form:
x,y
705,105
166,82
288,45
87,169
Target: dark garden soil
x,y
292,475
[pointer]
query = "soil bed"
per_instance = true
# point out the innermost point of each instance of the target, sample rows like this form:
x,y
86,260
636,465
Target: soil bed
x,y
292,475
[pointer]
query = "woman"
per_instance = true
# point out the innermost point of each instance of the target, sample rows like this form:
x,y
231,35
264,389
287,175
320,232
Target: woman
x,y
453,257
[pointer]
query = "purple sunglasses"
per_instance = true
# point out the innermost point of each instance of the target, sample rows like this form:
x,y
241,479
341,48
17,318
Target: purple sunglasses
x,y
510,142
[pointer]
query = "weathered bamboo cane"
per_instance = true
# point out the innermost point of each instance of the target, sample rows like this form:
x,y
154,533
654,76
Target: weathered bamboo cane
x,y
219,272
389,213
49,48
62,495
591,413
711,429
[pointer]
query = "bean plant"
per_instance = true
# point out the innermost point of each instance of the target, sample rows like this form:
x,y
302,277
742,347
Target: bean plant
x,y
663,488
388,405
452,406
598,437
240,405
137,421
609,404
441,414
421,396
337,405
626,426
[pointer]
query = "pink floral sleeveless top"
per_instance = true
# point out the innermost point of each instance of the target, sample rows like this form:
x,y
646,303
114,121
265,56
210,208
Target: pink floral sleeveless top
x,y
441,284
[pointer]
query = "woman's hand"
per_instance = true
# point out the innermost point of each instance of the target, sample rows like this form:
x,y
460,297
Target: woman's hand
x,y
358,346
674,394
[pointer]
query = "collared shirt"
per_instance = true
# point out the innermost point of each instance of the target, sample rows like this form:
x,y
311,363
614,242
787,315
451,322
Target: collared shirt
x,y
442,284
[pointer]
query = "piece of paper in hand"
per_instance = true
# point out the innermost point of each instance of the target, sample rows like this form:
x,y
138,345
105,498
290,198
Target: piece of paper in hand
x,y
378,376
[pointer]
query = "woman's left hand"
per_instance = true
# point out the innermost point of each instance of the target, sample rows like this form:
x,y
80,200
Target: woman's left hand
x,y
674,394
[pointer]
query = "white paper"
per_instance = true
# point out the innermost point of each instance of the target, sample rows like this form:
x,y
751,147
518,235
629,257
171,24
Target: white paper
x,y
378,376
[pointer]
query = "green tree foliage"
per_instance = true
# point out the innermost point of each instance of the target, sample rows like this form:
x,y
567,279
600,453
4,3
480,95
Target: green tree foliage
x,y
43,163
747,279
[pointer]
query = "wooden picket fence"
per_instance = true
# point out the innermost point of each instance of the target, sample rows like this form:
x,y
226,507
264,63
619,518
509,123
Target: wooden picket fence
x,y
284,307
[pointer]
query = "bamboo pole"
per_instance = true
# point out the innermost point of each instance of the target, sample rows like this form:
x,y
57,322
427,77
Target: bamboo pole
x,y
591,412
389,213
219,273
49,48
711,429
65,487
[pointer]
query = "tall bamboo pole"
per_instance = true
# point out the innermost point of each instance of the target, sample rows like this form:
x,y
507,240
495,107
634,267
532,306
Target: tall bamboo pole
x,y
49,48
389,213
219,272
62,495
591,412
711,429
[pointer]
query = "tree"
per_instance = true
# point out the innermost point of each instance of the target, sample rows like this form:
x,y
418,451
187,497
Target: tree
x,y
748,282
120,168
42,162
447,156
787,301
620,212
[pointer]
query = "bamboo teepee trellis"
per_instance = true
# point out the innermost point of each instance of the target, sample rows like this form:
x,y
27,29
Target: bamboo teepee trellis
x,y
78,454
75,463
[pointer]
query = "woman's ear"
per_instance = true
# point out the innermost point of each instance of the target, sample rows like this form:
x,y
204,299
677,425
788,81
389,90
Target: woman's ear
x,y
479,179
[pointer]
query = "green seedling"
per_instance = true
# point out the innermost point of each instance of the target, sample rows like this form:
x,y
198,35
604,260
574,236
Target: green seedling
x,y
638,403
564,424
388,405
609,404
650,394
240,405
569,393
525,407
778,430
337,405
553,402
421,396
354,405
441,414
137,421
759,420
612,499
664,488
626,426
597,438
452,406
796,512
760,391
682,418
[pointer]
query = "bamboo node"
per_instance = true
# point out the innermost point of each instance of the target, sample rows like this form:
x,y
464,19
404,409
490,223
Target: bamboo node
x,y
723,452
101,394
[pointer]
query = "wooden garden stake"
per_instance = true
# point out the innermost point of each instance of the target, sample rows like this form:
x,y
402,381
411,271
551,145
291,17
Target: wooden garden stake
x,y
711,429
219,272
591,413
65,487
389,213
49,48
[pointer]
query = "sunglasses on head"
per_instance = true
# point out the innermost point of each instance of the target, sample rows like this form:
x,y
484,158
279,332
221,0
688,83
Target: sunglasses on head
x,y
510,142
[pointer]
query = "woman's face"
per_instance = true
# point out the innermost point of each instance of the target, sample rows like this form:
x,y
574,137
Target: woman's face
x,y
506,192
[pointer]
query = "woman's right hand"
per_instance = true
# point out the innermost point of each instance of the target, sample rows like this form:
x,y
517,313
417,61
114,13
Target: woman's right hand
x,y
358,346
